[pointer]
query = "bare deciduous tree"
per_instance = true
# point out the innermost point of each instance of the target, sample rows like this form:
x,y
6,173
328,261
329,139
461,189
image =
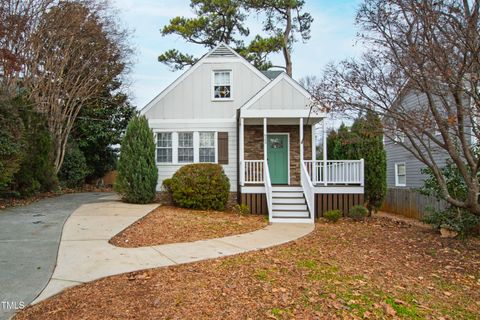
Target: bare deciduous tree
x,y
430,48
76,49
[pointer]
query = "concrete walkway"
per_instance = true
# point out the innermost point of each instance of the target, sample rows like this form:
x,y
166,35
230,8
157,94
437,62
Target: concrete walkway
x,y
29,240
85,254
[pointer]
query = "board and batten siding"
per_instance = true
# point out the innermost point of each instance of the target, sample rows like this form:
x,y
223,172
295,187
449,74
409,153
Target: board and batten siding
x,y
192,97
166,170
283,96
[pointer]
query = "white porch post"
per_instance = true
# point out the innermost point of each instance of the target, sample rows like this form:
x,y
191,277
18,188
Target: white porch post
x,y
324,152
301,140
314,156
242,152
265,139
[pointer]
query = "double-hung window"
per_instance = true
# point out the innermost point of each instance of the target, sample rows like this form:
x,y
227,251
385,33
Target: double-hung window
x,y
222,85
207,147
164,147
185,147
400,175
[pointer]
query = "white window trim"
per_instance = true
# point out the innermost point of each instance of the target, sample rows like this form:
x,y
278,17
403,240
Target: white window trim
x,y
192,147
215,146
196,147
156,147
213,85
397,184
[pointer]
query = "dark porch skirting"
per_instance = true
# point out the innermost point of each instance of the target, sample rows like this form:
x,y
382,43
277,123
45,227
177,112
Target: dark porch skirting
x,y
257,202
339,201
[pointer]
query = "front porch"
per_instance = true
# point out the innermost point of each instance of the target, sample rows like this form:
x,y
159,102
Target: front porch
x,y
279,173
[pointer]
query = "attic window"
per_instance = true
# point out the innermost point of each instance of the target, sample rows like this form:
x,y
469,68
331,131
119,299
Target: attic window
x,y
222,85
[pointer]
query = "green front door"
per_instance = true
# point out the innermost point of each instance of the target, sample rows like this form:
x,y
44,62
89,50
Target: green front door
x,y
277,154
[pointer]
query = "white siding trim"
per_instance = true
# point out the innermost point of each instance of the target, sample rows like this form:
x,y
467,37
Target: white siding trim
x,y
279,113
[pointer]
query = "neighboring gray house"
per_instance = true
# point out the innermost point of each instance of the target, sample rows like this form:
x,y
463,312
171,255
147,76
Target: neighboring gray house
x,y
404,171
259,127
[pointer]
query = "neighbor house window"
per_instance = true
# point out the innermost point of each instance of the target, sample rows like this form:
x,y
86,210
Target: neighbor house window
x,y
222,85
185,147
164,147
207,147
400,175
399,136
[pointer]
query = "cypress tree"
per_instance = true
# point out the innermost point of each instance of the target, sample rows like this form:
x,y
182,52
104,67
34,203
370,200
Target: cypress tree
x,y
137,171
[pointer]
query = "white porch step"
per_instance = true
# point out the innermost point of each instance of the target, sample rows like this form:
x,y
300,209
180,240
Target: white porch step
x,y
287,188
290,214
292,200
289,207
287,194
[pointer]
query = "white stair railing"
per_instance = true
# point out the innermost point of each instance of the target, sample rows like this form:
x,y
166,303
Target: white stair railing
x,y
308,190
268,190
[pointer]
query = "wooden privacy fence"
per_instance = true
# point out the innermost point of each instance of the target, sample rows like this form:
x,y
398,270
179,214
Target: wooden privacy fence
x,y
410,203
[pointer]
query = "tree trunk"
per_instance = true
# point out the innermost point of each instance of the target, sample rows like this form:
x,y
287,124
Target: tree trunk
x,y
286,38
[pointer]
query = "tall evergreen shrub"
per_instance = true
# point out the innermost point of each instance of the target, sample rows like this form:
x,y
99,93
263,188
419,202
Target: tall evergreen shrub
x,y
364,141
137,172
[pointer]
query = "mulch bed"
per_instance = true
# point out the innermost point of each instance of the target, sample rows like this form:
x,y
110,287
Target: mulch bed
x,y
16,202
169,224
379,269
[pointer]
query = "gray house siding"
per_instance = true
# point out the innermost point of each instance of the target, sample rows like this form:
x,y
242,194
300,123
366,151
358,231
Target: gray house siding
x,y
398,154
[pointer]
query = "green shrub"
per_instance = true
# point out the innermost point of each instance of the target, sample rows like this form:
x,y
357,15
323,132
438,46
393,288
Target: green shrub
x,y
74,169
358,212
11,140
167,185
200,186
137,172
461,221
332,215
241,209
36,172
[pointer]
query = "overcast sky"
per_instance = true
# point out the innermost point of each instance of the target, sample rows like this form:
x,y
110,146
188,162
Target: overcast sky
x,y
333,38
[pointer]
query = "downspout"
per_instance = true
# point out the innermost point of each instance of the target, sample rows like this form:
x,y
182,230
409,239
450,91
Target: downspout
x,y
239,193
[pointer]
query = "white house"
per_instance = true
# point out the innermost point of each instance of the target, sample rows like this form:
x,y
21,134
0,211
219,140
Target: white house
x,y
259,127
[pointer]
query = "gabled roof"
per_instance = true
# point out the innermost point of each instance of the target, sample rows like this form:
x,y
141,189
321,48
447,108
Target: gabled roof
x,y
221,50
268,87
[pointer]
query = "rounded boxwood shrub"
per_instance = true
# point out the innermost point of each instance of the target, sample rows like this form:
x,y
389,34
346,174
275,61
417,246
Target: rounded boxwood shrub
x,y
137,172
200,186
358,212
332,215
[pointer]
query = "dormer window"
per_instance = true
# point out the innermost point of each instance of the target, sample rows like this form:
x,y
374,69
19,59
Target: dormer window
x,y
222,85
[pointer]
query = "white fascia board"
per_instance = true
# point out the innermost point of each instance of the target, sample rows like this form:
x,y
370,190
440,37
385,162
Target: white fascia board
x,y
264,90
279,113
193,121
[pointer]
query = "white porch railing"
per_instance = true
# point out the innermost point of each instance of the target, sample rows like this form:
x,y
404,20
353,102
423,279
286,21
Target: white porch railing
x,y
336,172
253,171
308,189
268,190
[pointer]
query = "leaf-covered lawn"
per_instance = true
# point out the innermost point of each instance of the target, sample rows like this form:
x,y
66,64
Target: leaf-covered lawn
x,y
169,224
376,269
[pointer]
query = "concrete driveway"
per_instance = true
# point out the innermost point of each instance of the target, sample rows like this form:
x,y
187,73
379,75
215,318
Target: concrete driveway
x,y
29,241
